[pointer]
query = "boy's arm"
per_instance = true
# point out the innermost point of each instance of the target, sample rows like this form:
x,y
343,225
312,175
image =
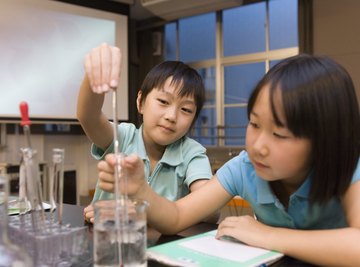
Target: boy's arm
x,y
95,124
102,67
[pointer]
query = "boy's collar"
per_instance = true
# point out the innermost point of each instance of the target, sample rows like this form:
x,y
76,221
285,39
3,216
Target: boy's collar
x,y
172,155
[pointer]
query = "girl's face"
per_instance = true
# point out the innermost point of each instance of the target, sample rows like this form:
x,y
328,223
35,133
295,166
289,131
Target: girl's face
x,y
274,151
166,116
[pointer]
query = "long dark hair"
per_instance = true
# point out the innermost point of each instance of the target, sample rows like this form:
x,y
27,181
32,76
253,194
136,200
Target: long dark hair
x,y
320,104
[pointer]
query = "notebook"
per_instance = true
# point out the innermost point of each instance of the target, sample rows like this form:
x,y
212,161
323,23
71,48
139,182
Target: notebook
x,y
14,208
205,250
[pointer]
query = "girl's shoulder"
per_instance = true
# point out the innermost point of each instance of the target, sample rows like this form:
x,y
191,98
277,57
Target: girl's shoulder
x,y
238,162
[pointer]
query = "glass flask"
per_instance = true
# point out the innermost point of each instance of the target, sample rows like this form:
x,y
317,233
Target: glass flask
x,y
10,254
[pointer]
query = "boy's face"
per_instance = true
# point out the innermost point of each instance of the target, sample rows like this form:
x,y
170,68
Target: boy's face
x,y
166,116
274,151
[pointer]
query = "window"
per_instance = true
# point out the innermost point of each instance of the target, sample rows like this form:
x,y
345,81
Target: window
x,y
232,49
194,36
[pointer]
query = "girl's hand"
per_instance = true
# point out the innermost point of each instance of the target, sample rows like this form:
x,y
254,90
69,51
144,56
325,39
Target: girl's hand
x,y
89,214
132,166
245,229
102,66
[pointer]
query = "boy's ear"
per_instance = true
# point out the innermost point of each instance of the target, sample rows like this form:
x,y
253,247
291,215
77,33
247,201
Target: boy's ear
x,y
138,102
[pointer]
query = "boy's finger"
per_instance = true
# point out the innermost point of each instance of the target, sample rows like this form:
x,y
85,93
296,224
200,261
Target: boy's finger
x,y
88,70
95,59
105,57
116,67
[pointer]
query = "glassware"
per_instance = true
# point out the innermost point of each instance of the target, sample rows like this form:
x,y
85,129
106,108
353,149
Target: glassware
x,y
56,183
33,189
46,240
124,245
10,254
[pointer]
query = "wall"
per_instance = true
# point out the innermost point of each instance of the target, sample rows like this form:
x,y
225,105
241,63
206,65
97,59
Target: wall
x,y
336,34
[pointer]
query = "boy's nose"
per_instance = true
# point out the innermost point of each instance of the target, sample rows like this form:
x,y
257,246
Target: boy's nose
x,y
171,114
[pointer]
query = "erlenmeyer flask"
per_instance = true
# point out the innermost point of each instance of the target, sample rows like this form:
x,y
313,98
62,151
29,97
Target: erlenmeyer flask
x,y
10,254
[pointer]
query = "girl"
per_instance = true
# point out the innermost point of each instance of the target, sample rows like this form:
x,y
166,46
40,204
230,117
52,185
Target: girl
x,y
169,100
300,171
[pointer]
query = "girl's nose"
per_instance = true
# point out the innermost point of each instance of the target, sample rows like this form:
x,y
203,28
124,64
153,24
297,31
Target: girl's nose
x,y
261,145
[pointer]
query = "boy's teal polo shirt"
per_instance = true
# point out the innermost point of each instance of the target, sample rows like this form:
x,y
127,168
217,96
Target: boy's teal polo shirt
x,y
183,162
238,177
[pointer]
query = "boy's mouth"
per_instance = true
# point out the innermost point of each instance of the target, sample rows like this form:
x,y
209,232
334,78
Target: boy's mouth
x,y
167,129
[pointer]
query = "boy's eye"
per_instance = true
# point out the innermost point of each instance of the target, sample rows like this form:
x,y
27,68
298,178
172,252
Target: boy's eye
x,y
162,101
187,110
281,136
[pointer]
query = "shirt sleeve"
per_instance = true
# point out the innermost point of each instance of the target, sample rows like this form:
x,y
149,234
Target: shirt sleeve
x,y
199,168
356,176
230,175
100,154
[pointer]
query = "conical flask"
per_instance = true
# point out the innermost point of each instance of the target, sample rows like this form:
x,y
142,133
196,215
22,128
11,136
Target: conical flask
x,y
10,254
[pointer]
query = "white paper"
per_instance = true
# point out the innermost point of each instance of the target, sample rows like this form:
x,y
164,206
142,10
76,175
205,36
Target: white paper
x,y
226,249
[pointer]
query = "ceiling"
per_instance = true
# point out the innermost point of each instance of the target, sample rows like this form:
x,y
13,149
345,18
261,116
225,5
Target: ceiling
x,y
137,11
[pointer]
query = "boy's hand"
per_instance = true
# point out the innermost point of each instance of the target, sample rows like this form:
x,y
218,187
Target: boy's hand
x,y
102,66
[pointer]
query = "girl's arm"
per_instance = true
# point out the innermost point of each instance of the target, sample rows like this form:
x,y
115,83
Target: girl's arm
x,y
166,216
335,247
197,184
213,218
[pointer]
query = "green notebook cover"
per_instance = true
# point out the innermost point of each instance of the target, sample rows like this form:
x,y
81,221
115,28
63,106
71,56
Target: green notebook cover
x,y
14,208
205,250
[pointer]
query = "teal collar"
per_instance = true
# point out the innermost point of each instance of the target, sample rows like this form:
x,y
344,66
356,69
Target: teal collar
x,y
172,156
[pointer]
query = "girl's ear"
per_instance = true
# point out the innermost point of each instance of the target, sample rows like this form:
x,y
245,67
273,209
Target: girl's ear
x,y
138,102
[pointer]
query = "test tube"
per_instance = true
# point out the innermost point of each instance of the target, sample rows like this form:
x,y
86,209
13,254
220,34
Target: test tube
x,y
56,183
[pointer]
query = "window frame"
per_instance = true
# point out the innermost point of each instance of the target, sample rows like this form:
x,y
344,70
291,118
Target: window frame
x,y
220,62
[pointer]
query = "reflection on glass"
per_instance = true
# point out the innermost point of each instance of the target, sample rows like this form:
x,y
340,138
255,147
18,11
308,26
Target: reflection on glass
x,y
244,29
197,37
283,25
240,80
170,41
204,129
208,76
235,126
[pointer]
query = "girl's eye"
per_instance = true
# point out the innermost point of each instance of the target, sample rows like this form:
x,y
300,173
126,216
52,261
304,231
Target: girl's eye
x,y
253,124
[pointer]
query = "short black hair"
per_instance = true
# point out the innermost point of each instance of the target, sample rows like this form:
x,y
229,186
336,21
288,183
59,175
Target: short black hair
x,y
186,78
320,104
